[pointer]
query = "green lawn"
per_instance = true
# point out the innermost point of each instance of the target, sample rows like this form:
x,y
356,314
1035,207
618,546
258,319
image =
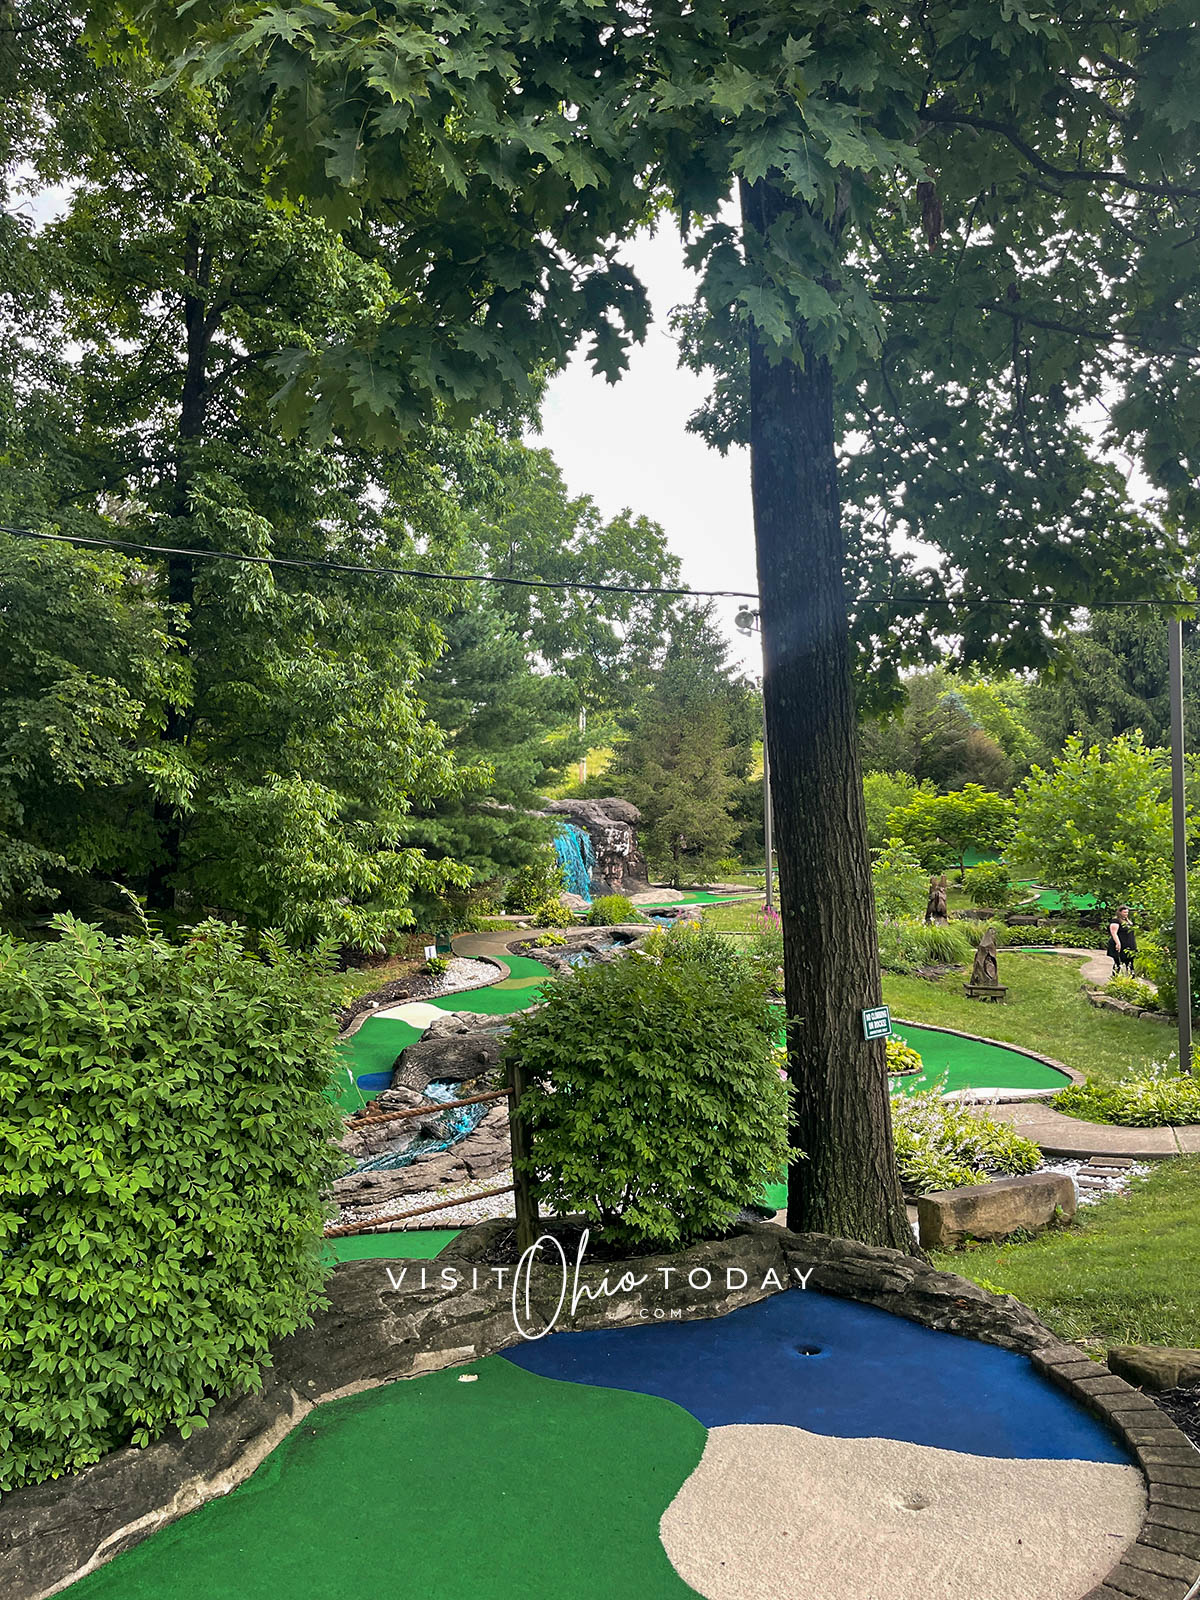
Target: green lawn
x,y
1125,1274
1045,1011
736,916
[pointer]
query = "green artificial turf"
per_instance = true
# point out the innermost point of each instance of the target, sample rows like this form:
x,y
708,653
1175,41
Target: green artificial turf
x,y
514,1487
970,1064
1045,1011
371,1048
1053,900
412,1244
1124,1274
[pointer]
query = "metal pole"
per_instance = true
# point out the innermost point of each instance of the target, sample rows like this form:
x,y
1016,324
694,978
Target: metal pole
x,y
1183,963
767,840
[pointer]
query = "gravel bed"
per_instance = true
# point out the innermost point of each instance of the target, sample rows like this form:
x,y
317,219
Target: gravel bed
x,y
1088,1196
500,1205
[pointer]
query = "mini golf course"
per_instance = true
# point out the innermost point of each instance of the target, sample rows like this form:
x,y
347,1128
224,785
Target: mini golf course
x,y
803,1445
951,1063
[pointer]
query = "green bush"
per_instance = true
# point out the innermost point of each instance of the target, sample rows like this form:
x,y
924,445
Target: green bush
x,y
1156,1098
988,884
942,1145
552,914
901,885
901,1057
611,909
723,959
1134,992
166,1120
551,940
728,867
905,946
438,966
656,1108
536,883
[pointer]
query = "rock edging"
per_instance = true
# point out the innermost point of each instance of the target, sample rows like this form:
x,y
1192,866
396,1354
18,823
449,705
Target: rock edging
x,y
385,1320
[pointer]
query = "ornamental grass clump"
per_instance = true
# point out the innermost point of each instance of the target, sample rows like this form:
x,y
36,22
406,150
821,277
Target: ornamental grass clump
x,y
655,1107
166,1121
609,910
942,1145
904,946
1160,1097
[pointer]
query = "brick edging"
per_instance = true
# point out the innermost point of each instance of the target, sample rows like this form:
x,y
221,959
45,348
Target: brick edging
x,y
374,1332
1076,1078
1163,1563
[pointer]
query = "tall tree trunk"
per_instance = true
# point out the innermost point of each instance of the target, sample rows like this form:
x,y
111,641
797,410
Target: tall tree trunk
x,y
199,325
846,1181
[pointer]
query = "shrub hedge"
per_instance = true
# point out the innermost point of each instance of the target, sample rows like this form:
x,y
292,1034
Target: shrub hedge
x,y
656,1106
165,1123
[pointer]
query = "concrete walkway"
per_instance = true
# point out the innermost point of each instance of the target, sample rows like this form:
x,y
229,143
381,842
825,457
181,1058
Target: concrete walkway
x,y
1071,1137
1060,1135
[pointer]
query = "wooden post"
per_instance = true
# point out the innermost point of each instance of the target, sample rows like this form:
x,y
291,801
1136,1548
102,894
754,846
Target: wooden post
x,y
523,1195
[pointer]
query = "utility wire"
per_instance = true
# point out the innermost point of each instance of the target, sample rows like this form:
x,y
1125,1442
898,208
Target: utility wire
x,y
371,571
575,585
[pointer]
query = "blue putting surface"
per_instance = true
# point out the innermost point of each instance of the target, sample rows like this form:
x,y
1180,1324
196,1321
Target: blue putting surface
x,y
873,1375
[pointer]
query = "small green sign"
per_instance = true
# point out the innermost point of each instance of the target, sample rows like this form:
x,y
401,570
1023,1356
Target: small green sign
x,y
877,1022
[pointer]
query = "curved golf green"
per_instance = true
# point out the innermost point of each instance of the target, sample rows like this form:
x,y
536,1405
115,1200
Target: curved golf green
x,y
505,1488
971,1064
372,1049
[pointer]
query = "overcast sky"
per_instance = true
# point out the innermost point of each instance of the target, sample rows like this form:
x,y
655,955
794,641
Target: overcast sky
x,y
627,445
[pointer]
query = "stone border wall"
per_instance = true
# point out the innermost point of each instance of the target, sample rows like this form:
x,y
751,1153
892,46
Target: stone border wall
x,y
1110,1002
1005,1098
377,1329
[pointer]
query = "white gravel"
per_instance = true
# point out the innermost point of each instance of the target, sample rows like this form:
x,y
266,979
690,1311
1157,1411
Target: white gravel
x,y
465,973
1089,1194
500,1205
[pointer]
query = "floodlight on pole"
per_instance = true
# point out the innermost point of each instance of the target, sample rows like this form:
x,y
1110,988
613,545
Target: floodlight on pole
x,y
749,622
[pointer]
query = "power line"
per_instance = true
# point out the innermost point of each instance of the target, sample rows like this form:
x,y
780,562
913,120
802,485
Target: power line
x,y
371,571
573,585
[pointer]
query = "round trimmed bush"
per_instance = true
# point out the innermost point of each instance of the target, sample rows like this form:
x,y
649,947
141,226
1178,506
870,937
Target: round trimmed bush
x,y
165,1119
609,910
655,1104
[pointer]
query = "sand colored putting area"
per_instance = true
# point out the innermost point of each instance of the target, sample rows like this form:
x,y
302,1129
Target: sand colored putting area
x,y
776,1513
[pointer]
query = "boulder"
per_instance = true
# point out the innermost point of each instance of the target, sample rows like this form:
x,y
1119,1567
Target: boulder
x,y
994,1210
483,1153
611,824
429,1060
1153,1366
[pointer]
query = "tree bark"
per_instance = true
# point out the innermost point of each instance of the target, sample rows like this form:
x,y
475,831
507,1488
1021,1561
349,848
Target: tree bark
x,y
846,1182
199,324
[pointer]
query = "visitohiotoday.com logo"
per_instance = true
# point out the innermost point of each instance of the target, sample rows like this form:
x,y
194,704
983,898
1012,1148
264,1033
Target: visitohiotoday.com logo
x,y
574,1292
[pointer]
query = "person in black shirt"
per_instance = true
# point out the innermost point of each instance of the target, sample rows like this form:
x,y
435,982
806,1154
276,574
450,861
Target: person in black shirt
x,y
1122,942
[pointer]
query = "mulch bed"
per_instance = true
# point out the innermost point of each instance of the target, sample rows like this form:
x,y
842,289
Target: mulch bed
x,y
1183,1407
